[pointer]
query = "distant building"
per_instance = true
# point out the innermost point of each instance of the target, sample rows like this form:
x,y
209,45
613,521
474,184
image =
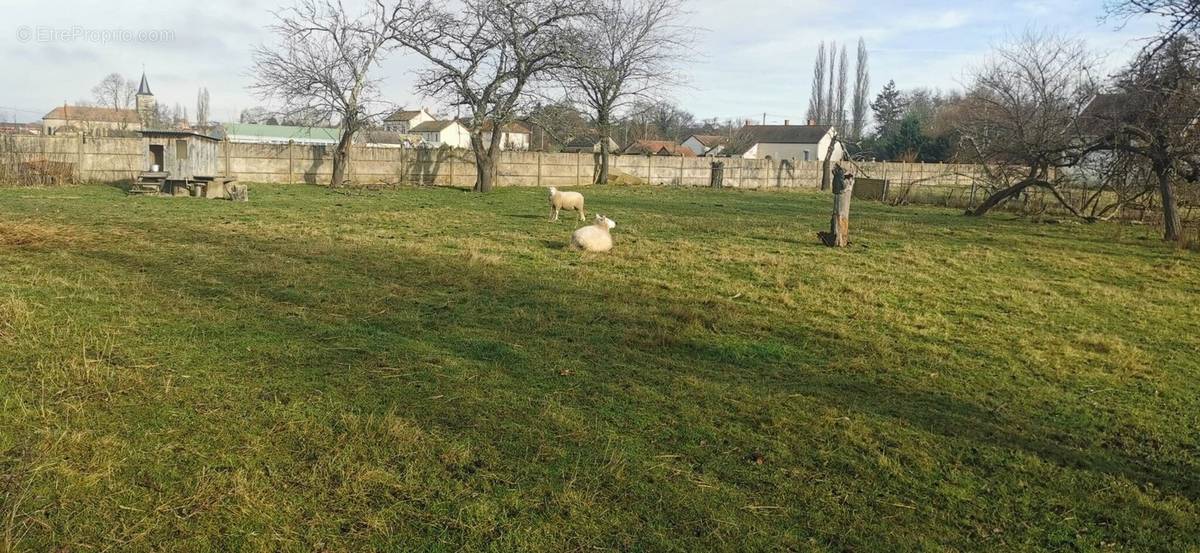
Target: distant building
x,y
450,134
707,144
514,136
90,121
794,142
589,145
103,121
404,121
252,133
657,148
20,128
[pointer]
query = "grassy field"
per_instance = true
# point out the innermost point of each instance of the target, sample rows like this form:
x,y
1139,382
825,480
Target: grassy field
x,y
430,369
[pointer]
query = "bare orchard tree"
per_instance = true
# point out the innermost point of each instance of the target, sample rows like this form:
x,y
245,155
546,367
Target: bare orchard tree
x,y
629,50
486,55
321,64
116,93
816,100
1022,114
1153,115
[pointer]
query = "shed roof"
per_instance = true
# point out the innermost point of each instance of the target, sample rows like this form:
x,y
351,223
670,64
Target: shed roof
x,y
181,134
710,140
787,134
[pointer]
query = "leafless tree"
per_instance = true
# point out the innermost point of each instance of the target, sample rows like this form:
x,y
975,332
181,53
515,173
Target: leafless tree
x,y
116,93
839,113
1153,115
1180,19
816,102
322,63
1022,114
629,51
487,55
862,90
202,107
831,85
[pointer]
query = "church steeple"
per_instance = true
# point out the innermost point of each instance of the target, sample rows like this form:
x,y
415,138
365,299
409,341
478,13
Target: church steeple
x,y
147,106
144,88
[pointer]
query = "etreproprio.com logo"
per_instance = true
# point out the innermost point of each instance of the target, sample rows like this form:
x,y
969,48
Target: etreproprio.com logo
x,y
86,35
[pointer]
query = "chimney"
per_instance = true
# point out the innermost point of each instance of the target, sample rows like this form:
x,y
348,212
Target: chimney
x,y
812,122
787,122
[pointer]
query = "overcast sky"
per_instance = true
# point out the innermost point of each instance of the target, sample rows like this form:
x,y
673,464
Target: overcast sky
x,y
753,56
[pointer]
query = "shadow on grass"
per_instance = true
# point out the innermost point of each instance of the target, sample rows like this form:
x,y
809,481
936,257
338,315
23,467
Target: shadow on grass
x,y
517,321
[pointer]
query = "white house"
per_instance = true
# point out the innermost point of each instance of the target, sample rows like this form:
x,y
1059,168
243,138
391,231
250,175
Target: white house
x,y
795,142
706,144
514,136
451,134
403,121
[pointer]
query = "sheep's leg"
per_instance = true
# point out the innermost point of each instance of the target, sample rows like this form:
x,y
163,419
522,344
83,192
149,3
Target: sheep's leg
x,y
553,214
582,217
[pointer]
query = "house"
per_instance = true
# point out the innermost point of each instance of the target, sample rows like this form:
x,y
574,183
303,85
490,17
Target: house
x,y
589,145
515,136
253,133
90,121
403,121
455,134
707,144
794,142
657,148
450,134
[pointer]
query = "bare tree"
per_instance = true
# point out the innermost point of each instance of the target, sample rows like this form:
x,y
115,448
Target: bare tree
x,y
1022,114
816,102
116,93
202,108
839,115
486,55
1180,19
630,50
862,89
322,63
1153,115
831,86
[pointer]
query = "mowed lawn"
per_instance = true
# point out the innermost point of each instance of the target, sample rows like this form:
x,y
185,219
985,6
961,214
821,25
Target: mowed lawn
x,y
431,370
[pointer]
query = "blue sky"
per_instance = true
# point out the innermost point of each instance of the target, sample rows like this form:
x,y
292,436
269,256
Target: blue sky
x,y
752,56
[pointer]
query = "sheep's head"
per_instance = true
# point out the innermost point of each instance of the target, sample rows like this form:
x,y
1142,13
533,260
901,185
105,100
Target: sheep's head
x,y
553,191
605,222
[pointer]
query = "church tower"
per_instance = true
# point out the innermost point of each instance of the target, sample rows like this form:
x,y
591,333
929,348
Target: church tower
x,y
146,105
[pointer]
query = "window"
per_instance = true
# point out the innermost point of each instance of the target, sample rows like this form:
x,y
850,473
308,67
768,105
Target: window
x,y
181,153
806,155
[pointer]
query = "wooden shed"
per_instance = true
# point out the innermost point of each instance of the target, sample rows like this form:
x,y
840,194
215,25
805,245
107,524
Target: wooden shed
x,y
176,161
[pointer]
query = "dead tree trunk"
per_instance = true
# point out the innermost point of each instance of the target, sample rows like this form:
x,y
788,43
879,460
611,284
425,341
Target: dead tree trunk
x,y
839,222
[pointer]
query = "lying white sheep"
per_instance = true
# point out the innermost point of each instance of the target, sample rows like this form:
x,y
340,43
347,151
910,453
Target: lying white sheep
x,y
569,201
595,237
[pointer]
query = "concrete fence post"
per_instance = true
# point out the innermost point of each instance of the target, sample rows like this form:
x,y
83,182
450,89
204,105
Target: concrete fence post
x,y
539,168
291,162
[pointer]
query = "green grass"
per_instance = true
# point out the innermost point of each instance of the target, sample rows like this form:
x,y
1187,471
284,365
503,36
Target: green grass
x,y
429,369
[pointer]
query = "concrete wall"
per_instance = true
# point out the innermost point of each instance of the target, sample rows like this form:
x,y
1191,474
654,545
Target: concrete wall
x,y
113,159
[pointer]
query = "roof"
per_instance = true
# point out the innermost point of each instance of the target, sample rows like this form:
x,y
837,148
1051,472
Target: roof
x,y
103,115
658,148
282,133
514,127
787,134
144,88
1106,109
165,132
432,126
710,140
404,115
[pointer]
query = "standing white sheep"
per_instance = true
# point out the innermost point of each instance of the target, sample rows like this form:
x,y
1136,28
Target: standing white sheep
x,y
569,201
595,237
